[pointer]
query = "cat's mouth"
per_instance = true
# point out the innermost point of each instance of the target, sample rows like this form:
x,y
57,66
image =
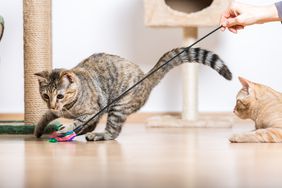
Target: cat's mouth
x,y
236,112
56,112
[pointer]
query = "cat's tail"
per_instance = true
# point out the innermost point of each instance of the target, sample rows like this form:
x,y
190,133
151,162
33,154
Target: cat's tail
x,y
268,135
191,55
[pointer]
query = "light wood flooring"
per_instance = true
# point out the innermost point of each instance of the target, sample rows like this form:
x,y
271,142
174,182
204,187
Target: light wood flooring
x,y
142,157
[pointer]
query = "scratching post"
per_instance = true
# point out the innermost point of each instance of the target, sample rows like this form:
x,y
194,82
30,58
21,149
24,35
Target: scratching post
x,y
188,15
37,54
190,73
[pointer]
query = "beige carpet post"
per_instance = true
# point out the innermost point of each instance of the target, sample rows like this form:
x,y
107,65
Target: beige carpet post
x,y
190,75
37,54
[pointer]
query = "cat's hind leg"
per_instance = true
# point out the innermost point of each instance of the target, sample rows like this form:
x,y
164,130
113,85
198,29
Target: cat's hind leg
x,y
268,135
113,128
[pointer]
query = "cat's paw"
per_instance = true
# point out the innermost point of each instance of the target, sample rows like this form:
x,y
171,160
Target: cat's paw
x,y
65,128
237,138
98,136
233,139
38,132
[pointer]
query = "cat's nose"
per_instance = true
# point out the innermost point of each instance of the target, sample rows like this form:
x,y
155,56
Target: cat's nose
x,y
52,107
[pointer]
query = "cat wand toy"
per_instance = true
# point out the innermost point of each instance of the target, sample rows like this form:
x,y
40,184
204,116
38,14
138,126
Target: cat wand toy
x,y
70,135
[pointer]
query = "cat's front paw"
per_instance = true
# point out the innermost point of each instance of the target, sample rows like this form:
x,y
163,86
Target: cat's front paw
x,y
38,132
98,136
64,128
237,138
233,139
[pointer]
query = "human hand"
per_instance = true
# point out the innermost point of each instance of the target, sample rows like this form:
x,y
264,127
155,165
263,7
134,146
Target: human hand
x,y
239,15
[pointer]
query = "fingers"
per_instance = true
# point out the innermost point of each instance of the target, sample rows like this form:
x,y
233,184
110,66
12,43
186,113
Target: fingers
x,y
232,23
223,19
235,29
231,18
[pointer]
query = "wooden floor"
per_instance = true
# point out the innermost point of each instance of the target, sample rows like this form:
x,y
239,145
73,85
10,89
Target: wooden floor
x,y
142,157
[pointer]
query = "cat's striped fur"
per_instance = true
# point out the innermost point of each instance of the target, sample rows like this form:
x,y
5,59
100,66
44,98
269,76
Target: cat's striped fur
x,y
264,106
81,92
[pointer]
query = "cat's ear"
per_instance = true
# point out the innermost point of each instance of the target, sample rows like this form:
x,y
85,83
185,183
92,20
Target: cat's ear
x,y
67,77
42,76
245,83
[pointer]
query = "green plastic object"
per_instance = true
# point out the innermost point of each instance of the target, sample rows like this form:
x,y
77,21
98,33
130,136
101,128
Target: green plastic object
x,y
19,127
15,128
53,140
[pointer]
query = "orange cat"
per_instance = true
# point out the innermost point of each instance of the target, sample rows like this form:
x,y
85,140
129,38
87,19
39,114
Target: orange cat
x,y
264,106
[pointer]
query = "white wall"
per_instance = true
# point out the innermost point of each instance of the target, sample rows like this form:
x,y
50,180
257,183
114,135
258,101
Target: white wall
x,y
81,28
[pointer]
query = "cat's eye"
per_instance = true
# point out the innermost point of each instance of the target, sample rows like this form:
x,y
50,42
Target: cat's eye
x,y
45,96
239,102
60,96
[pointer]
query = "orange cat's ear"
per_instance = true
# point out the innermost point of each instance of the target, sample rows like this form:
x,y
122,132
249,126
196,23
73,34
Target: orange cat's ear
x,y
245,83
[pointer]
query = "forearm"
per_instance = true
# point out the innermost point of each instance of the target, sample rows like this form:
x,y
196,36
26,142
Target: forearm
x,y
45,119
270,13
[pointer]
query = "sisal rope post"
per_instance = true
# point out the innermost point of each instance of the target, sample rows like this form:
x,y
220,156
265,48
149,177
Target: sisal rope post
x,y
37,54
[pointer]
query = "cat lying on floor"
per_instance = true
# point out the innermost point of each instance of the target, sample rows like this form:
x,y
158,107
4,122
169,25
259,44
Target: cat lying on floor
x,y
264,106
79,93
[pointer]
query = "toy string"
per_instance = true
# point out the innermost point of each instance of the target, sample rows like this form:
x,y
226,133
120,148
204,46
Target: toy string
x,y
77,129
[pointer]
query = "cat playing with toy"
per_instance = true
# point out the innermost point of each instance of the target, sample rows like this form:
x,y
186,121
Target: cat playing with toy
x,y
101,84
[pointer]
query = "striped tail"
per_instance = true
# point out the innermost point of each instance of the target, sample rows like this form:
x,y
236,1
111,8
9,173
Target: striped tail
x,y
192,55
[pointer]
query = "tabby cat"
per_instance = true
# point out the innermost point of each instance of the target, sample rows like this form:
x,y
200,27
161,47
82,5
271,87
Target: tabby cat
x,y
81,92
263,105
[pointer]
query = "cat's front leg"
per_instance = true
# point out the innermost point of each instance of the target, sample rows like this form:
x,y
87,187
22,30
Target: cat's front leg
x,y
243,138
78,122
113,128
269,135
43,122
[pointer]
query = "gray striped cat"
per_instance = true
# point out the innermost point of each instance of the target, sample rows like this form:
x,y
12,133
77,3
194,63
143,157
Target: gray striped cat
x,y
81,92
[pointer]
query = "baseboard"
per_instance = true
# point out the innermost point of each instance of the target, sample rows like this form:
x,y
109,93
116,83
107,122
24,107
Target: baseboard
x,y
11,116
14,123
139,117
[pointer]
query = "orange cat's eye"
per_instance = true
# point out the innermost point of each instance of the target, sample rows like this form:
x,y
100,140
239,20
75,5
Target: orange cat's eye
x,y
239,102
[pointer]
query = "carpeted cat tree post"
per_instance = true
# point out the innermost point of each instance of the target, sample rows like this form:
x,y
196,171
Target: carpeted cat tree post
x,y
189,15
37,54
